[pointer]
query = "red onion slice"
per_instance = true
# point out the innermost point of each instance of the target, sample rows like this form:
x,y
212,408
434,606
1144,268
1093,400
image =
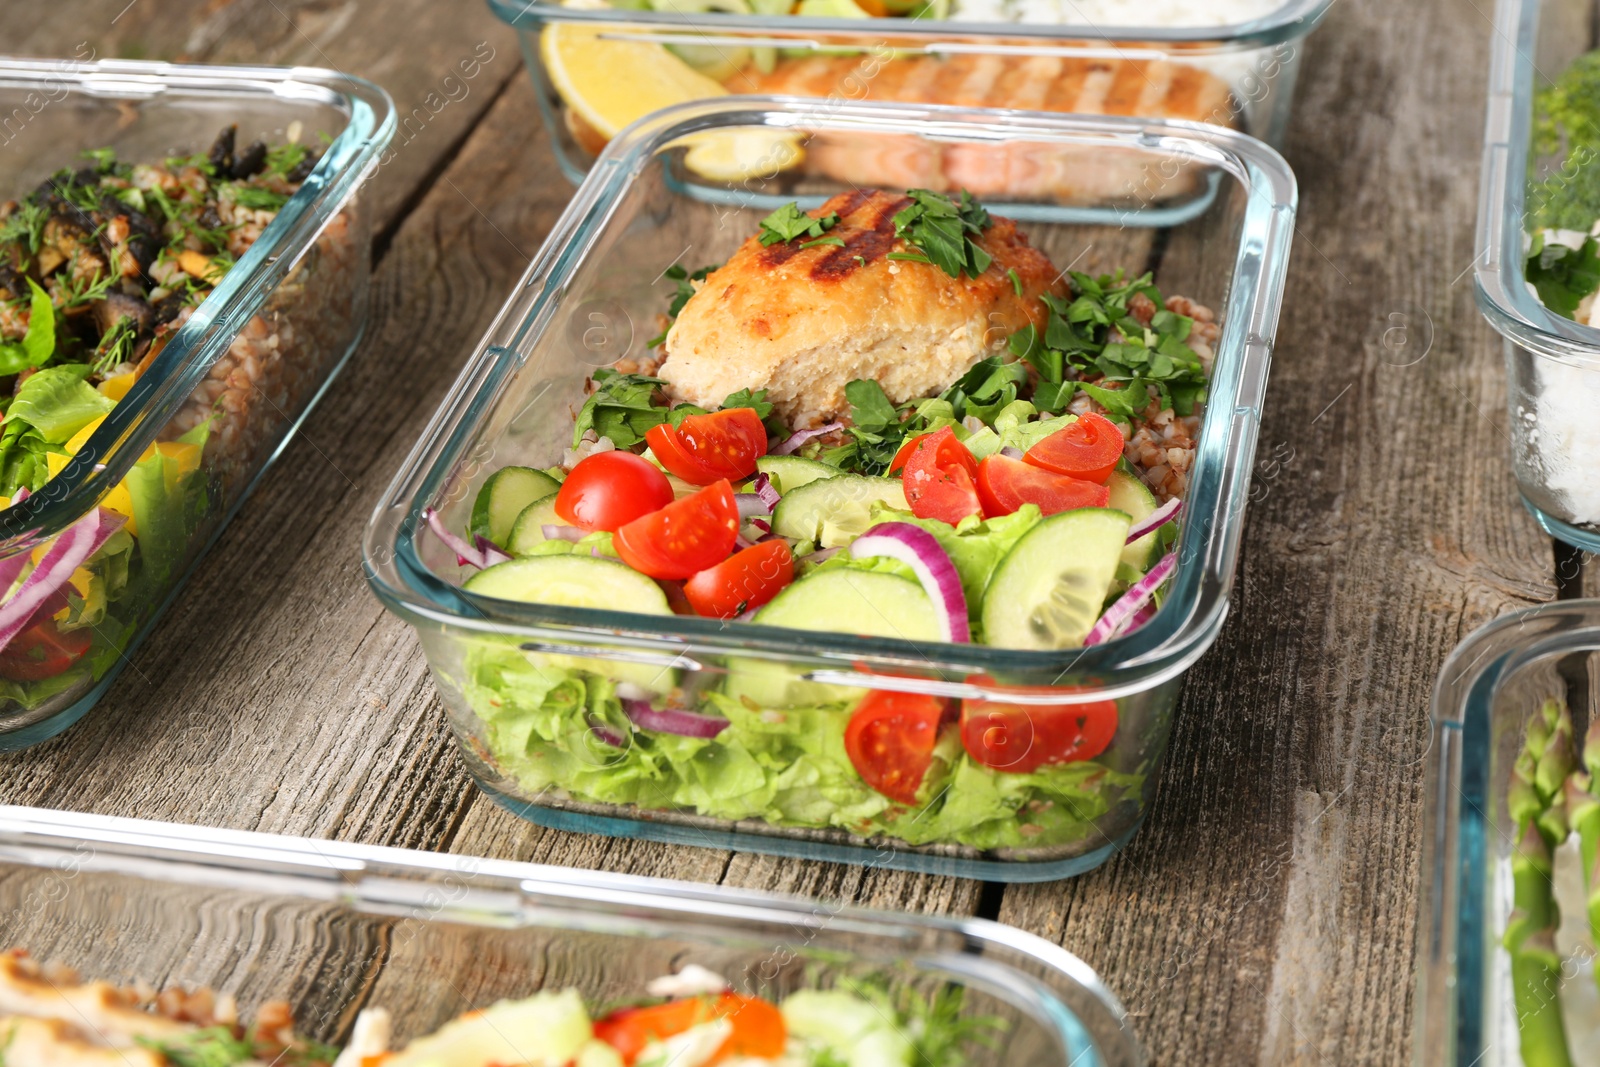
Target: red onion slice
x,y
674,720
466,555
800,437
762,487
751,505
1156,519
606,734
555,532
12,566
920,550
69,551
490,551
1011,452
1120,617
821,555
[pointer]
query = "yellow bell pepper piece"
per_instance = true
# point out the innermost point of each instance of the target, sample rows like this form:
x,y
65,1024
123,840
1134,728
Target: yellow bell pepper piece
x,y
81,438
184,454
117,387
118,500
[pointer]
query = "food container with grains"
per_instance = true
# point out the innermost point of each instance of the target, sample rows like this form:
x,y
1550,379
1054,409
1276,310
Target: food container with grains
x,y
183,268
157,945
886,541
598,66
1538,266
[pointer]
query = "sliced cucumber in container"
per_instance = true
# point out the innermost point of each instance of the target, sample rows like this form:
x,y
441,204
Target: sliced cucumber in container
x,y
1052,585
528,530
869,603
1130,496
581,582
834,511
503,497
789,473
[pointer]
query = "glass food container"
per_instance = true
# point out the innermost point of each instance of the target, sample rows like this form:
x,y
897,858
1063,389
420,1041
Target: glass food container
x,y
333,928
1552,362
591,297
595,68
243,370
1486,692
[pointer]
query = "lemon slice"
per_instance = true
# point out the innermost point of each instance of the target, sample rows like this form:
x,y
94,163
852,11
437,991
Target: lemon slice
x,y
735,155
610,81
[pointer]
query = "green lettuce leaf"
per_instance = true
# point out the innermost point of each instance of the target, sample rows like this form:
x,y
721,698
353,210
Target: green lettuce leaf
x,y
57,402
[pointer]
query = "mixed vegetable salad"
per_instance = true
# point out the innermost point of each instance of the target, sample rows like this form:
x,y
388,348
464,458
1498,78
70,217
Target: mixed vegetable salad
x,y
1563,258
1009,509
688,1019
100,266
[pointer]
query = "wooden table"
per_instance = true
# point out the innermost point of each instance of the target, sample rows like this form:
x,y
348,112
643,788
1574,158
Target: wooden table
x,y
1267,911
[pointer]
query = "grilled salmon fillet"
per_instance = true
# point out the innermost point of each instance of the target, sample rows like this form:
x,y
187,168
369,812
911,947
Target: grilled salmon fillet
x,y
802,323
1066,174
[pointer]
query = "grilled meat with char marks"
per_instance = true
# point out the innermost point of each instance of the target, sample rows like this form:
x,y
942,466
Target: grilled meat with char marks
x,y
803,322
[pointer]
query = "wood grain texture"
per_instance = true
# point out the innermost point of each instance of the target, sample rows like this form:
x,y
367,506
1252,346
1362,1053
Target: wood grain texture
x,y
1266,912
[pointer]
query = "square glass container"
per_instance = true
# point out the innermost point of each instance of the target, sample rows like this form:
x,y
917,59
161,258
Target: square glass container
x,y
1488,688
251,359
591,297
333,928
1552,363
1240,75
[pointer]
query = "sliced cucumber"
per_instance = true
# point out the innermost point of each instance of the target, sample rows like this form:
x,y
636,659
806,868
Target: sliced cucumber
x,y
1049,589
571,582
545,1028
791,472
869,603
502,498
528,530
834,511
1129,495
855,1031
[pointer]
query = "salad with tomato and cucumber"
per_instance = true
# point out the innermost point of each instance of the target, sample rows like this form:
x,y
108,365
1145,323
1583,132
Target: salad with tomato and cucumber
x,y
1030,504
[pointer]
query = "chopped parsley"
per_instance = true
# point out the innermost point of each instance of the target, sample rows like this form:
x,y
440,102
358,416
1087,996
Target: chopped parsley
x,y
943,229
1016,281
622,407
830,240
1094,335
685,282
789,222
1561,275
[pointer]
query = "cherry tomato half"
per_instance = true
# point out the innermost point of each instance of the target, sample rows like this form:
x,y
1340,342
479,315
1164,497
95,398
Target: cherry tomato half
x,y
608,490
1088,449
904,452
1021,738
758,1027
744,580
1005,484
683,538
890,741
941,478
43,651
704,448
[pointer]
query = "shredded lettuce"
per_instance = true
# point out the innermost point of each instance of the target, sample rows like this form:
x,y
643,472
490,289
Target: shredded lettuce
x,y
57,402
544,722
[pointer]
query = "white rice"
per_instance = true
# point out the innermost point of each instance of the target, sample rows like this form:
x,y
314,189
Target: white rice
x,y
1568,440
1164,13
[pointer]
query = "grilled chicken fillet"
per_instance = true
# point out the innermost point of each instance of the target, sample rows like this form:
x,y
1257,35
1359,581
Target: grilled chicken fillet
x,y
801,323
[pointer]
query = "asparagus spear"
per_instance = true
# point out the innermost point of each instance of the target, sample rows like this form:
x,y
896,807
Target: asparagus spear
x,y
1583,810
1538,802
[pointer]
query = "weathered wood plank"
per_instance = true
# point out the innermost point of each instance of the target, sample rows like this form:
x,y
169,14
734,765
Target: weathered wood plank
x,y
1266,913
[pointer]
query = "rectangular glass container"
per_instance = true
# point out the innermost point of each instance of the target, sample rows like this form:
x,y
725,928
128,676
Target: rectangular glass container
x,y
334,928
594,294
1488,688
252,358
1240,75
1552,362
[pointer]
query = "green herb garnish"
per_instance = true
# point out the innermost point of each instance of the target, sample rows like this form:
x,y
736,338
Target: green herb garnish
x,y
789,222
283,159
824,241
1563,276
254,198
25,226
1016,281
685,282
943,229
622,407
214,1046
